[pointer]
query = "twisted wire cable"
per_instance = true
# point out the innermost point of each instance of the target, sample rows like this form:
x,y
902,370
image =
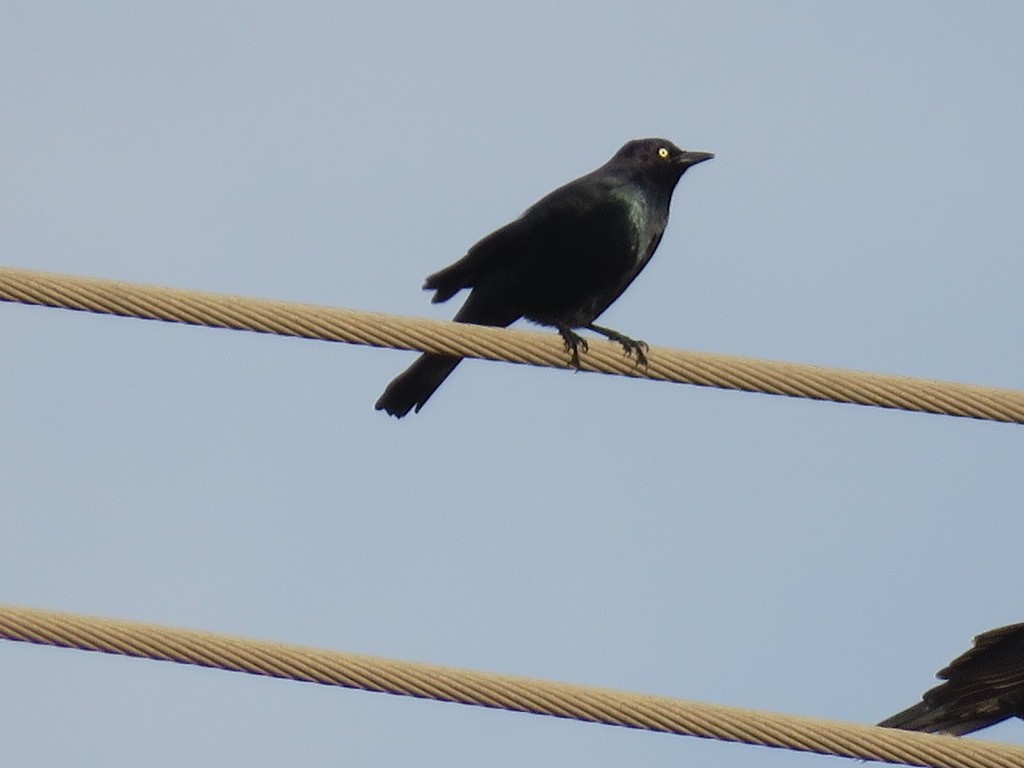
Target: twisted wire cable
x,y
518,694
531,347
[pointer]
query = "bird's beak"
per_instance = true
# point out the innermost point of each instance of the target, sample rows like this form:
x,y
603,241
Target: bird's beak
x,y
686,159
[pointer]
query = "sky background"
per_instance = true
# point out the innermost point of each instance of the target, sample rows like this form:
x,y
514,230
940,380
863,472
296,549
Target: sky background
x,y
863,210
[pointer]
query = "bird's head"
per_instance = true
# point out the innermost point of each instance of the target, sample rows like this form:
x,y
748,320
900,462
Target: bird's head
x,y
659,158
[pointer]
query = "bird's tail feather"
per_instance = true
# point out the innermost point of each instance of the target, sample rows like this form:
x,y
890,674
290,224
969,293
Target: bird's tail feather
x,y
920,717
412,388
935,719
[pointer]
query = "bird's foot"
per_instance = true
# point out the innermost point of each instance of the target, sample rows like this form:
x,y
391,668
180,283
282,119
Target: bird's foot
x,y
573,343
635,348
632,347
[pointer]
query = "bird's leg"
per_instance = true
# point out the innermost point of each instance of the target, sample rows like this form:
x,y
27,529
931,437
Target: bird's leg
x,y
573,343
630,346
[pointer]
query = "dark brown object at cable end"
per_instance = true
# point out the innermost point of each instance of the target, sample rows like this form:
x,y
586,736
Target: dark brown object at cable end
x,y
983,687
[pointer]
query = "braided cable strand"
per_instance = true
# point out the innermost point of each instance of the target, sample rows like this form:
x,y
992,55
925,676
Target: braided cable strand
x,y
518,694
530,347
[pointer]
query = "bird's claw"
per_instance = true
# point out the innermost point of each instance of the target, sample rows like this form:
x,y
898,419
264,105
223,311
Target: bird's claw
x,y
573,343
632,347
635,347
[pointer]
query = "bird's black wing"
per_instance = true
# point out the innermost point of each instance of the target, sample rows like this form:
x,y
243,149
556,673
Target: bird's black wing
x,y
983,686
519,240
996,652
989,675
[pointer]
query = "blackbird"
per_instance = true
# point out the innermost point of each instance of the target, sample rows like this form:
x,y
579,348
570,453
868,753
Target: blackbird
x,y
561,263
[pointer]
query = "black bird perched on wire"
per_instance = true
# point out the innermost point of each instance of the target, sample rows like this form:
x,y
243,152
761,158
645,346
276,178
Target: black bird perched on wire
x,y
983,687
562,263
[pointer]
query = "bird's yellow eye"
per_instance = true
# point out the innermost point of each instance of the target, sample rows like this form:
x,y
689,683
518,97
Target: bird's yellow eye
x,y
662,152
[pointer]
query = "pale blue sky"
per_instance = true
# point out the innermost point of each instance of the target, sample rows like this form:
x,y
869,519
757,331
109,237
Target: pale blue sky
x,y
864,210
